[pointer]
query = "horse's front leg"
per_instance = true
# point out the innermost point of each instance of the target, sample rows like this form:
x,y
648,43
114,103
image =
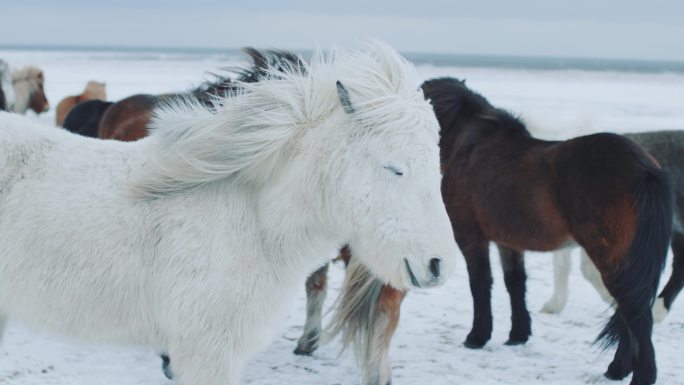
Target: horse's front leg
x,y
206,362
316,286
475,249
561,272
376,367
513,263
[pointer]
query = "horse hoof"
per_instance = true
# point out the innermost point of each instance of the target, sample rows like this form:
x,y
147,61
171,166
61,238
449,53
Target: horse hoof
x,y
303,352
615,375
659,310
551,308
515,341
473,344
166,367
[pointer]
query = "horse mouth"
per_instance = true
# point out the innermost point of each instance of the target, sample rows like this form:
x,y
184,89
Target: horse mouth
x,y
414,280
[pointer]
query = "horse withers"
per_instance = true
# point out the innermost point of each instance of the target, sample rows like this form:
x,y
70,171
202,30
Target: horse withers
x,y
185,240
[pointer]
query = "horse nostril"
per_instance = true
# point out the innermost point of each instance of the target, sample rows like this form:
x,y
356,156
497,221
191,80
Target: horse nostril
x,y
434,267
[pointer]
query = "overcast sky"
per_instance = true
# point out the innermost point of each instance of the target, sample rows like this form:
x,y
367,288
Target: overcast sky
x,y
632,29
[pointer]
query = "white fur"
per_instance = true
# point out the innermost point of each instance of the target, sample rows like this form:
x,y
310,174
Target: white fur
x,y
24,83
561,273
194,239
6,85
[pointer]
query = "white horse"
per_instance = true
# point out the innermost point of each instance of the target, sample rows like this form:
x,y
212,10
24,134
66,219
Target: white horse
x,y
194,239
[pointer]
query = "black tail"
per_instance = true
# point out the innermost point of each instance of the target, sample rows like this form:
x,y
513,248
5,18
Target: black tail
x,y
635,281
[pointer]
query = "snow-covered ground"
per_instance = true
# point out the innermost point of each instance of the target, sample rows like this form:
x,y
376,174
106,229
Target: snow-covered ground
x,y
427,346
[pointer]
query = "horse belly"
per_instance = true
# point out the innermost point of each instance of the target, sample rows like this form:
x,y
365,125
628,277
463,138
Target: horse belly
x,y
533,223
71,304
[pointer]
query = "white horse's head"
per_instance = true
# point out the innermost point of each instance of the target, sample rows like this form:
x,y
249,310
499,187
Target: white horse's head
x,y
385,174
347,144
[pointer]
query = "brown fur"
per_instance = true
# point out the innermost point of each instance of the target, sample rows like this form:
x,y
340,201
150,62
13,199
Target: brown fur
x,y
127,119
93,90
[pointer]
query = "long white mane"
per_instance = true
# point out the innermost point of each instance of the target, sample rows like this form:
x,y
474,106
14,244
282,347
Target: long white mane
x,y
252,131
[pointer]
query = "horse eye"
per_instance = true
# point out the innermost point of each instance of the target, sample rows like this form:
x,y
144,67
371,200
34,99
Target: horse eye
x,y
394,170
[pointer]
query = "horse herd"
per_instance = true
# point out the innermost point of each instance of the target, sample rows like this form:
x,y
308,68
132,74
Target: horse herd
x,y
184,240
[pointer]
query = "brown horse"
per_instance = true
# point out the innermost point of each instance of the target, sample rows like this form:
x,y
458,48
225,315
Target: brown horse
x,y
93,91
601,191
127,119
29,91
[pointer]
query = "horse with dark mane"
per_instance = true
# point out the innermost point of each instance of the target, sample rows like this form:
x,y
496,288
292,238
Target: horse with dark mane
x,y
501,185
127,119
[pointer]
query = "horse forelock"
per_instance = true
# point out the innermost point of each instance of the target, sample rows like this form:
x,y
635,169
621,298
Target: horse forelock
x,y
251,128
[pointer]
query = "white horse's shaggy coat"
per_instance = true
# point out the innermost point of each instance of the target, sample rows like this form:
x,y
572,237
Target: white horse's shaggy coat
x,y
194,239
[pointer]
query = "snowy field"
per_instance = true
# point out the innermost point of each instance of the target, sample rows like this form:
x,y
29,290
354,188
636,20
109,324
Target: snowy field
x,y
427,347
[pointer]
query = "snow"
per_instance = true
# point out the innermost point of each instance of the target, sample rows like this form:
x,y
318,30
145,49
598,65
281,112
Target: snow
x,y
427,346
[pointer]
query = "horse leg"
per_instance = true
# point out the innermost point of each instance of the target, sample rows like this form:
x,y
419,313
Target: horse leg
x,y
476,253
376,370
166,366
592,274
315,296
621,366
561,272
206,363
675,283
513,264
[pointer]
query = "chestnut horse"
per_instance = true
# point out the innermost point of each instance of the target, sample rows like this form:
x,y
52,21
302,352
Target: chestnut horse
x,y
601,191
127,119
93,90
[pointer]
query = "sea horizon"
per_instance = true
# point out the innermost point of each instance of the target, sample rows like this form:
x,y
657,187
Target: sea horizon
x,y
521,62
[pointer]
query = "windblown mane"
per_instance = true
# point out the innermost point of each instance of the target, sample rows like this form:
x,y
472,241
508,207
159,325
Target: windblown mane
x,y
452,100
212,92
251,131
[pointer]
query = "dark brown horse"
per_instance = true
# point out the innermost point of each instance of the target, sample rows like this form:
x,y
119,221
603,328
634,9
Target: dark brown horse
x,y
500,185
84,118
128,118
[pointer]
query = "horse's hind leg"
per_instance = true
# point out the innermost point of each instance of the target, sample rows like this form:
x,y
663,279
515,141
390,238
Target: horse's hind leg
x,y
561,272
513,263
476,253
621,366
592,274
315,296
675,283
376,370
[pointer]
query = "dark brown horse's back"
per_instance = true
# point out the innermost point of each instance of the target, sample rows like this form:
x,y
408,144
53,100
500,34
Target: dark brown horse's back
x,y
582,166
514,167
128,118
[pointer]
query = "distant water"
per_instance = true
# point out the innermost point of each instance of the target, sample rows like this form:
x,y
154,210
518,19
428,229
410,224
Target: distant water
x,y
437,60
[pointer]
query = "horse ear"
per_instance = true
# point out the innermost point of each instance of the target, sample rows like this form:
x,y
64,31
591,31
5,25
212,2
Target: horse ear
x,y
343,94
